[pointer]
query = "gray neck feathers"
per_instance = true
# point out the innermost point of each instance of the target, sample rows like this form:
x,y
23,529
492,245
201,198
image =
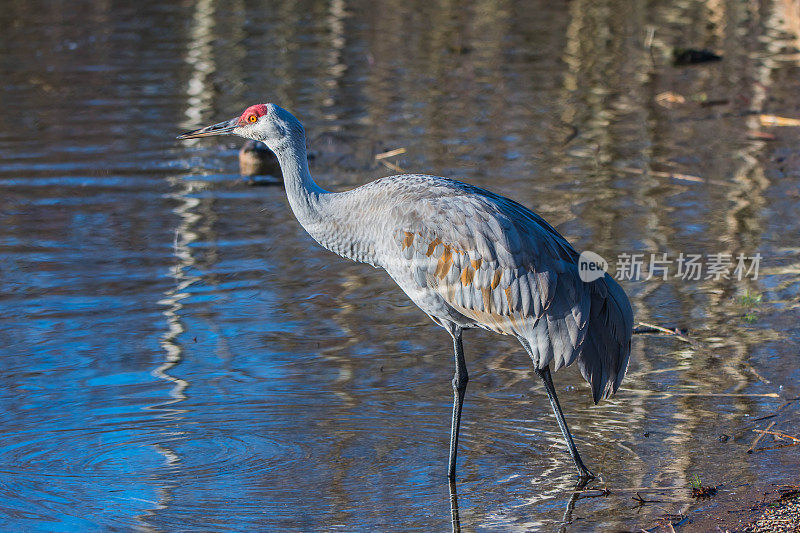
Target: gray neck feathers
x,y
325,215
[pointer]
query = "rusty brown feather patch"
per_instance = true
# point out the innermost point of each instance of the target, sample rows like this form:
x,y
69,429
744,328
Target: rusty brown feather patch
x,y
445,262
466,275
487,299
496,279
432,246
409,240
476,264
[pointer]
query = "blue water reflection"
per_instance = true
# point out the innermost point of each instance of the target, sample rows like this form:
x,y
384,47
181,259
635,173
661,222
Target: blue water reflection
x,y
178,355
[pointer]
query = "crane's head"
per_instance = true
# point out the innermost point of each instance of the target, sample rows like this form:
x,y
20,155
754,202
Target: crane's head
x,y
273,125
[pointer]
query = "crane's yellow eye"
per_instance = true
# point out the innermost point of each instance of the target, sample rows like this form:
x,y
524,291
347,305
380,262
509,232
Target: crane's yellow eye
x,y
252,118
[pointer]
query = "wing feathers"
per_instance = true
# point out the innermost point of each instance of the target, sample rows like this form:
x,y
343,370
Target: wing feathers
x,y
503,267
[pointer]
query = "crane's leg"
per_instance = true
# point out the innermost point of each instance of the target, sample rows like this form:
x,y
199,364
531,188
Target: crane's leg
x,y
573,451
460,380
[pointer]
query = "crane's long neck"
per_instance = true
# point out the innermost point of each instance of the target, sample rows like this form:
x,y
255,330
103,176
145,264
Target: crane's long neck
x,y
305,196
321,212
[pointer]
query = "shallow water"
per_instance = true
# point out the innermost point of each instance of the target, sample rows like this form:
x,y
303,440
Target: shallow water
x,y
177,354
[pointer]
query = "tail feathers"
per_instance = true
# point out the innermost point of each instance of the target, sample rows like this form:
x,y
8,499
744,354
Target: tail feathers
x,y
607,347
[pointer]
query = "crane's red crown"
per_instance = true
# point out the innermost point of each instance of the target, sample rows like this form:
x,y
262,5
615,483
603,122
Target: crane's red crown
x,y
253,113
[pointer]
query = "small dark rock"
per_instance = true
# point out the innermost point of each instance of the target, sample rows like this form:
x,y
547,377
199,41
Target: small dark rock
x,y
692,56
255,159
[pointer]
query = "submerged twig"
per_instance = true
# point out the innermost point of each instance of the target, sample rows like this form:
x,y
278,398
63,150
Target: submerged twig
x,y
776,447
778,434
593,493
390,153
784,436
675,332
383,156
775,120
759,437
660,174
390,165
638,498
789,402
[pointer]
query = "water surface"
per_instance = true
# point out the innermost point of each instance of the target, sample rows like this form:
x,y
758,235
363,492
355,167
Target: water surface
x,y
177,354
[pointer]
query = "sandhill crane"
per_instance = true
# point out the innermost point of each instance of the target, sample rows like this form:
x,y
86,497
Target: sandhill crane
x,y
467,257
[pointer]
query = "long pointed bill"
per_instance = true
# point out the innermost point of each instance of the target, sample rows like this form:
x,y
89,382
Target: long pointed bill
x,y
221,128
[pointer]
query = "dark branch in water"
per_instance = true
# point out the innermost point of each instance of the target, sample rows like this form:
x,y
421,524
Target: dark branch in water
x,y
641,501
645,328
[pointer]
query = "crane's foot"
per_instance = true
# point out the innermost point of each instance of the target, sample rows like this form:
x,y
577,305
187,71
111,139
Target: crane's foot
x,y
584,479
583,473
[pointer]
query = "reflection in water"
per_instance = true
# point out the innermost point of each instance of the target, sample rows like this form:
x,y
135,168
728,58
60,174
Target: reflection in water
x,y
200,57
581,491
319,396
454,518
197,90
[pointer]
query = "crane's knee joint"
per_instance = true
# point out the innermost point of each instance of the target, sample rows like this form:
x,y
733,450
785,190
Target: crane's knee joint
x,y
460,383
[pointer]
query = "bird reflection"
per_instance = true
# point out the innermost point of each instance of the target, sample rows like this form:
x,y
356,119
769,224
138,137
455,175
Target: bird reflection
x,y
455,522
579,492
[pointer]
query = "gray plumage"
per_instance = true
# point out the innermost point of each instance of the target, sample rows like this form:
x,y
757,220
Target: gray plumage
x,y
501,268
467,257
